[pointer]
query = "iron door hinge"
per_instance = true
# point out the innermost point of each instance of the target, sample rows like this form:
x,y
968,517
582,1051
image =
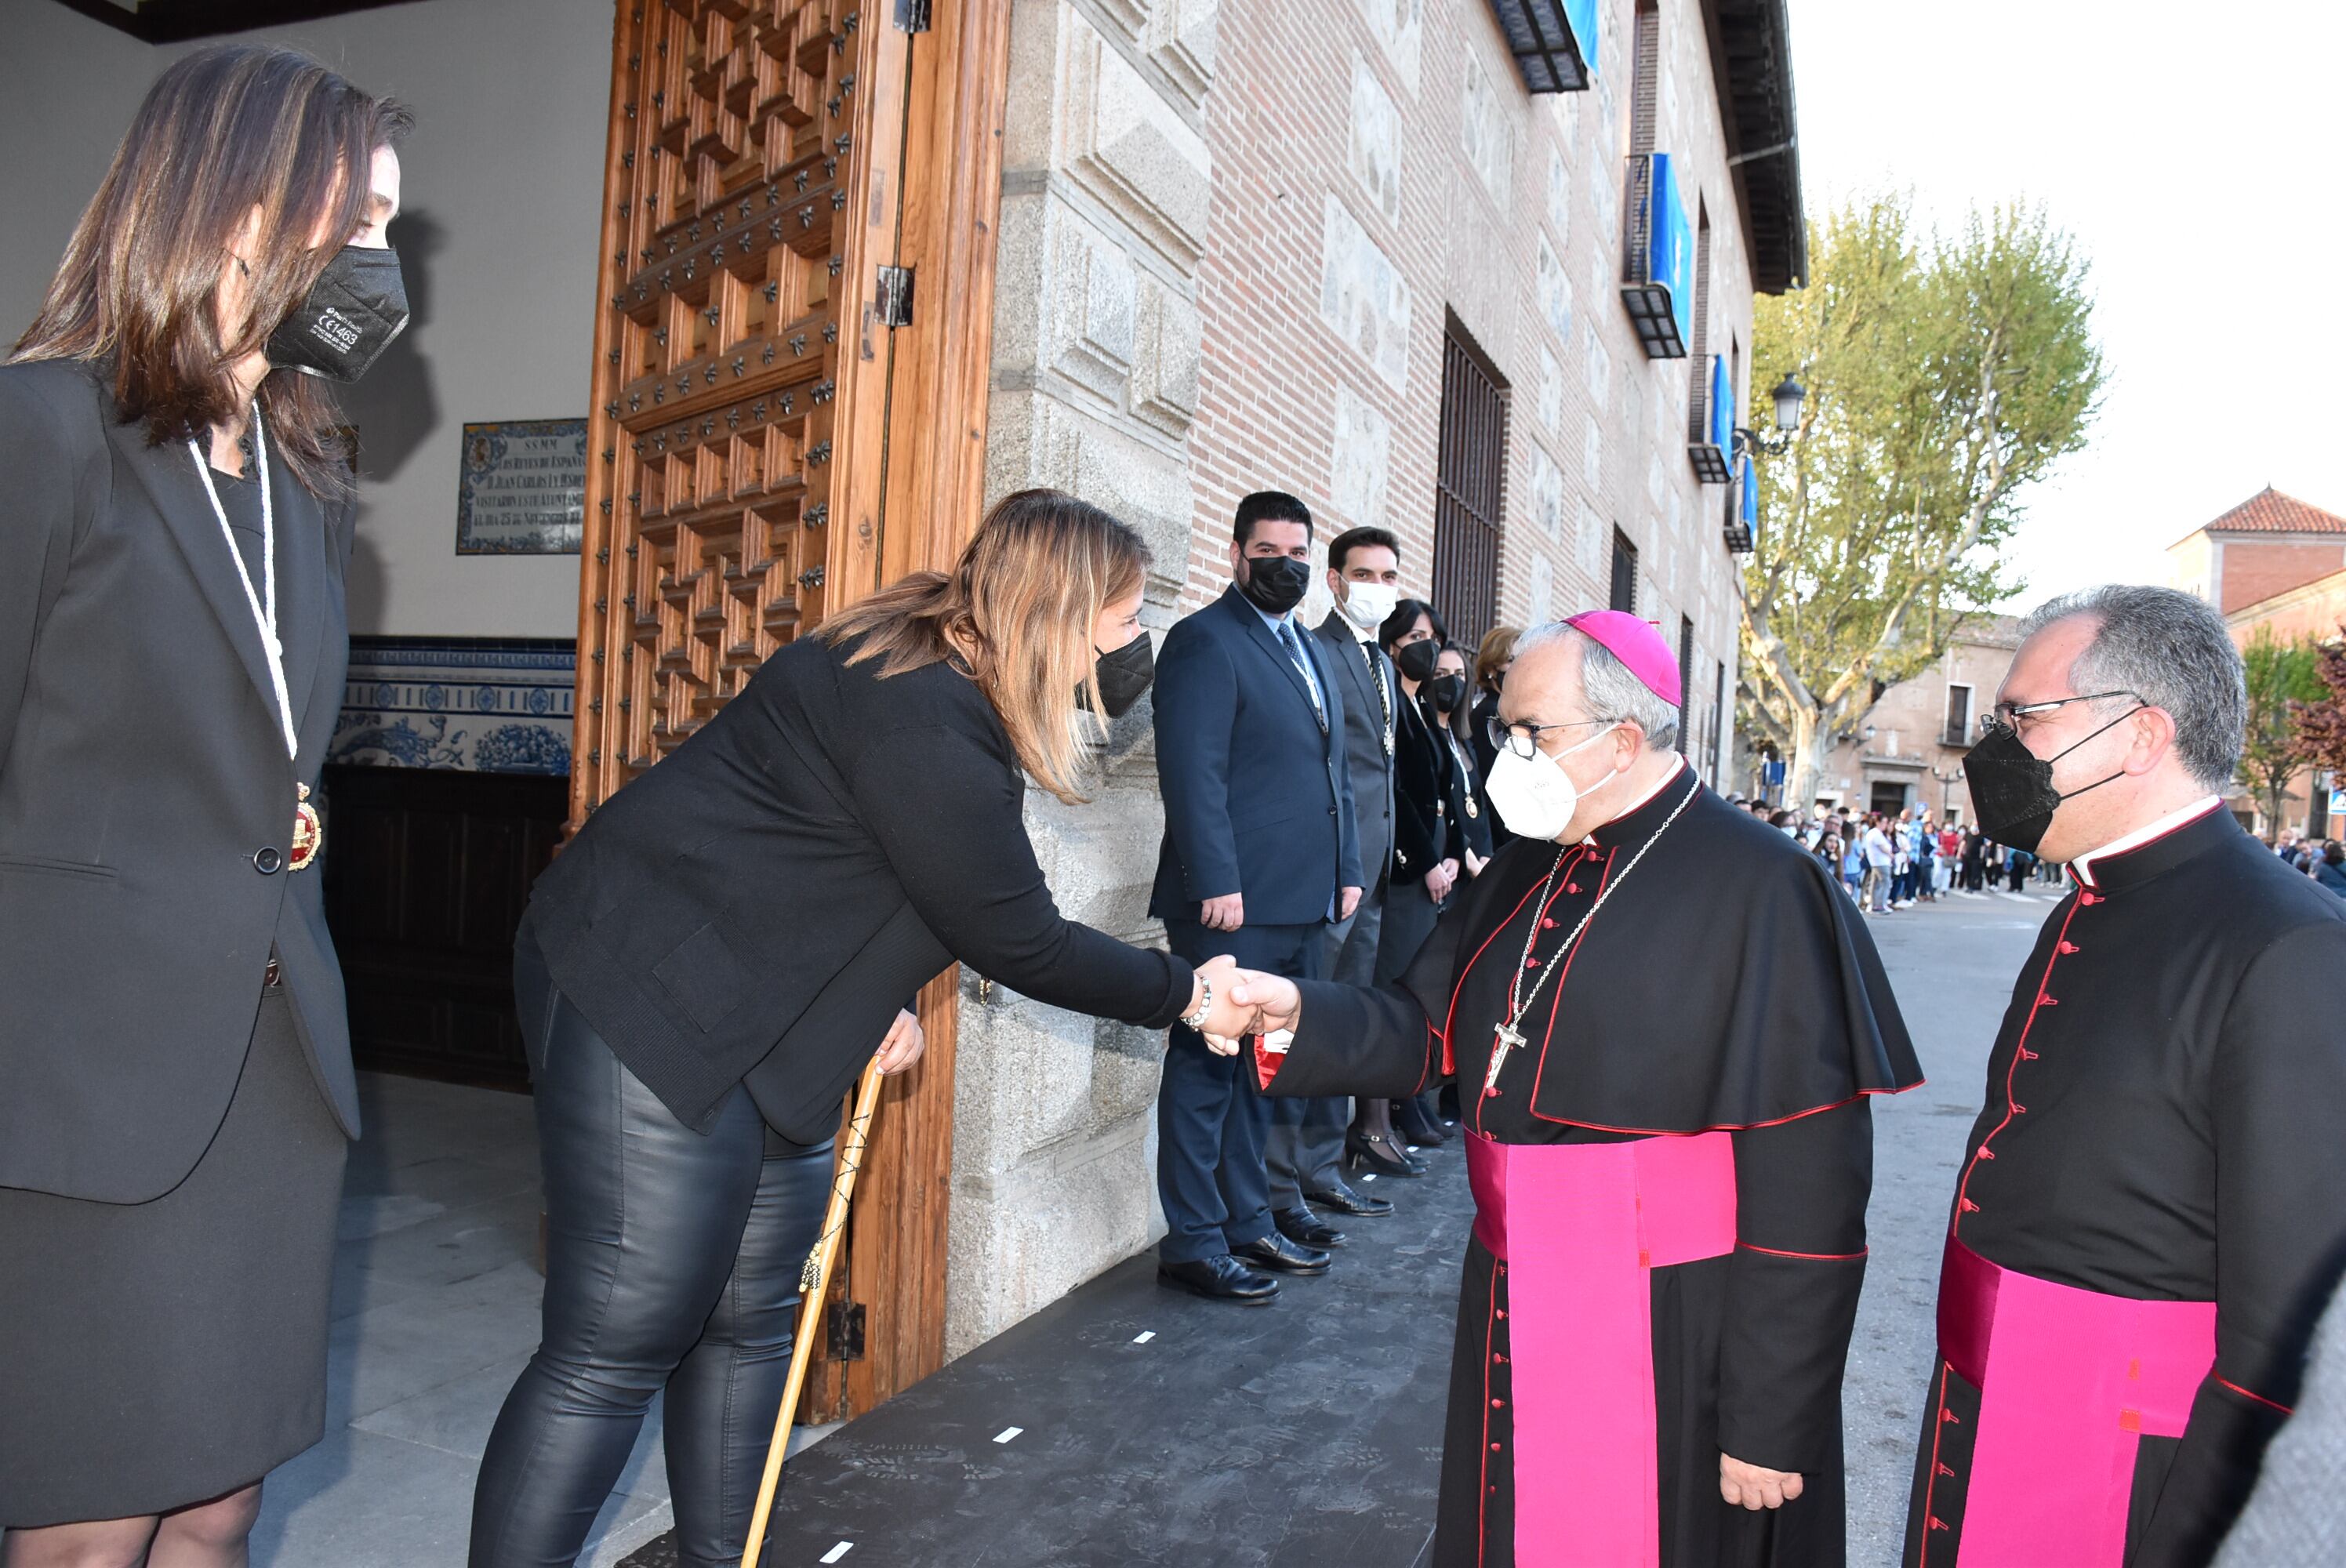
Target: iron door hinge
x,y
912,16
895,301
846,1331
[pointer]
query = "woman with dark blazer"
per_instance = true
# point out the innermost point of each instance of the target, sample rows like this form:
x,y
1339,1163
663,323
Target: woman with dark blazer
x,y
711,964
176,1094
1448,703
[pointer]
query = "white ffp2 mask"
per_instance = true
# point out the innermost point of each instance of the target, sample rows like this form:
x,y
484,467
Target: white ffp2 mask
x,y
1534,796
1366,604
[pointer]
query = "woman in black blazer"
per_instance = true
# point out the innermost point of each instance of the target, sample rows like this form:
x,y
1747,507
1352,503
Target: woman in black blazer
x,y
709,965
176,1094
1449,702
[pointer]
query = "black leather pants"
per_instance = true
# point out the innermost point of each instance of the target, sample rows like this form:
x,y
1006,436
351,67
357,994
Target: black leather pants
x,y
672,1262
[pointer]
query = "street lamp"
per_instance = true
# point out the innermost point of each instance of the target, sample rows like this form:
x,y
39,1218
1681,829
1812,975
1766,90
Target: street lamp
x,y
1789,395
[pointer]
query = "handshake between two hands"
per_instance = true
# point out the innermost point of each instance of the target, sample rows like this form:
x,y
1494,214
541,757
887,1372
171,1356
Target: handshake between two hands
x,y
1246,1002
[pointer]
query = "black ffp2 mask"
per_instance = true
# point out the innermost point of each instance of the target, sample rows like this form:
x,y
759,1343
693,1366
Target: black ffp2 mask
x,y
2011,787
350,314
1275,583
1417,659
1123,676
1447,692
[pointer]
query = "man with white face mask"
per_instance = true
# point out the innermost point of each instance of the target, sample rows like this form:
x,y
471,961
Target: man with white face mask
x,y
1665,1021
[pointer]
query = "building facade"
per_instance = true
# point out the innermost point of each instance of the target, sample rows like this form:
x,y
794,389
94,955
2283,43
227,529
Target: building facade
x,y
1907,749
2275,564
1340,248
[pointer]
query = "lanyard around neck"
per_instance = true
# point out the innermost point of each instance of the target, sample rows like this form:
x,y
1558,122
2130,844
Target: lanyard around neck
x,y
264,601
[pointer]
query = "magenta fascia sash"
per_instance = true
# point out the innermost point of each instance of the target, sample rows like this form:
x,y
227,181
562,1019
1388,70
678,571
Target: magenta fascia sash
x,y
2069,1381
1577,1229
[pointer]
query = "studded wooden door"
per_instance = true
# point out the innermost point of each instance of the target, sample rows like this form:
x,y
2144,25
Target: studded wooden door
x,y
790,353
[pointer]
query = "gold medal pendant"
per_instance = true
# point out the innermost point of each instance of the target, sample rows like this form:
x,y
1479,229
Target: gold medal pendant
x,y
309,833
1472,809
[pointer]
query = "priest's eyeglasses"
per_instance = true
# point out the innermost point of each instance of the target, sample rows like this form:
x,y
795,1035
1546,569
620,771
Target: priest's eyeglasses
x,y
2007,714
1522,738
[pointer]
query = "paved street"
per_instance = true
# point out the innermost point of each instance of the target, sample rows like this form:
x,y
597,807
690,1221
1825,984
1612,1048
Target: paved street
x,y
1953,963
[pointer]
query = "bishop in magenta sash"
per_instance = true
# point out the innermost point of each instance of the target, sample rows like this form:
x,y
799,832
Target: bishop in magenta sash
x,y
1665,1022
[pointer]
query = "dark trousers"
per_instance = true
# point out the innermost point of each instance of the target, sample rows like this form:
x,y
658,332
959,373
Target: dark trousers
x,y
672,1262
1211,1117
1305,1152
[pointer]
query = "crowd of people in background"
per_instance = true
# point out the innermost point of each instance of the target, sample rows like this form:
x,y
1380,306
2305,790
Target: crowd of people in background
x,y
1889,862
2324,862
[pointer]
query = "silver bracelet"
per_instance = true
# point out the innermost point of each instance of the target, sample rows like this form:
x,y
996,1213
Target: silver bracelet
x,y
1197,1021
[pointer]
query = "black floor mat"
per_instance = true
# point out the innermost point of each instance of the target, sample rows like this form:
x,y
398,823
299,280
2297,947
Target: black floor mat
x,y
1306,1434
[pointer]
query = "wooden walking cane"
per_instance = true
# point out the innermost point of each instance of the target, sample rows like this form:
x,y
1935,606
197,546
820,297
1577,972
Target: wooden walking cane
x,y
814,1282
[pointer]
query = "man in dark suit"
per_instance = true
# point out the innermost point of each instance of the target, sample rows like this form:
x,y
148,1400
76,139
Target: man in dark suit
x,y
1261,856
1305,1152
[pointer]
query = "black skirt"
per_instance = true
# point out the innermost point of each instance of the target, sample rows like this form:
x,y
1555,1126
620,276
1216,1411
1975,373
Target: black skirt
x,y
160,1354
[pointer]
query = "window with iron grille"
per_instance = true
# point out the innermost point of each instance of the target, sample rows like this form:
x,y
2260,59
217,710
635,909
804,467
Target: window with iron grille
x,y
1686,686
1698,383
1469,465
1720,727
1645,72
1625,574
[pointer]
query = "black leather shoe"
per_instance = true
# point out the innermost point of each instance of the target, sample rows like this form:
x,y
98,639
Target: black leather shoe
x,y
1222,1278
1343,1199
1305,1228
1381,1153
1276,1253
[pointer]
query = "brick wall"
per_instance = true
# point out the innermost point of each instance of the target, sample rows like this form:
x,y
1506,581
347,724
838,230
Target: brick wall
x,y
2254,569
1378,168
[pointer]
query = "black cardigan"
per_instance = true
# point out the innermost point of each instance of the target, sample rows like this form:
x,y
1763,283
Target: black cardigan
x,y
788,879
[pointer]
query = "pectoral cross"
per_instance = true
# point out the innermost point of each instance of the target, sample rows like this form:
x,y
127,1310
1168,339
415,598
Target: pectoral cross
x,y
1506,1040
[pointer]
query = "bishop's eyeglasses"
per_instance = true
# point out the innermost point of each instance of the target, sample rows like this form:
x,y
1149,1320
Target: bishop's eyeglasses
x,y
1522,738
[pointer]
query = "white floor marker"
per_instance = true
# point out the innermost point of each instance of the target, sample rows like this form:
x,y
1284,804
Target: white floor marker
x,y
1143,1336
838,1552
1006,1433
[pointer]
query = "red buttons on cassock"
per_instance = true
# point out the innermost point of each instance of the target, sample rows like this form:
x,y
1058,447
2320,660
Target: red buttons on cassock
x,y
1547,925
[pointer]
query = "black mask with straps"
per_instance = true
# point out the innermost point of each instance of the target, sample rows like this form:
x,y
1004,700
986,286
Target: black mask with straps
x,y
1275,583
1124,676
350,314
2012,788
1417,659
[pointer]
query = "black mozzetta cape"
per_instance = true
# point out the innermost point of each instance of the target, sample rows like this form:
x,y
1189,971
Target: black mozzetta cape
x,y
1725,986
2166,1121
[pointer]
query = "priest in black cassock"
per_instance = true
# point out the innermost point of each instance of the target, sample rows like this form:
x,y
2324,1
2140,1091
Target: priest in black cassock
x,y
1665,1021
2152,1207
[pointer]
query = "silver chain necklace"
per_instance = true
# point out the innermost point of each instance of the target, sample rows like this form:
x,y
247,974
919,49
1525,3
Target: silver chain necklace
x,y
1518,1000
